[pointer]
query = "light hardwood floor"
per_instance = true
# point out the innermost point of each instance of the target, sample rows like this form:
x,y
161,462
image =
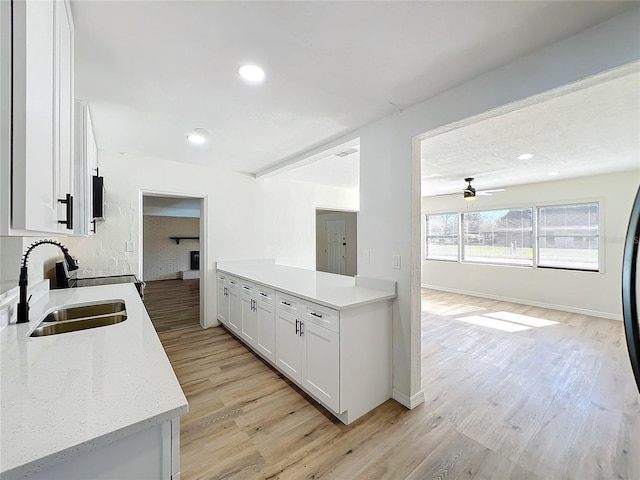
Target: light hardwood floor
x,y
552,402
173,304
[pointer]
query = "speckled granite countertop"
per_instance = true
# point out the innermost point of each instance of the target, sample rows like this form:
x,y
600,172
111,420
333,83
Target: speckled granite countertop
x,y
62,395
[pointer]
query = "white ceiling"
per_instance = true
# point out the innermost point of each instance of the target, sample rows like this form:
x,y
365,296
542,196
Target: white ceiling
x,y
332,170
591,131
152,71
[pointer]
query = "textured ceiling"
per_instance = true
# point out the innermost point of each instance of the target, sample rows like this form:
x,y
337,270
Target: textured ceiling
x,y
591,131
152,71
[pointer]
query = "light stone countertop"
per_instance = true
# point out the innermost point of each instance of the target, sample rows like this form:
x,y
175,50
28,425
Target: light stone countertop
x,y
62,395
335,291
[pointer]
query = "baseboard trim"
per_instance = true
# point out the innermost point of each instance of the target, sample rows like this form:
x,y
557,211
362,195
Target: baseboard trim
x,y
563,308
409,402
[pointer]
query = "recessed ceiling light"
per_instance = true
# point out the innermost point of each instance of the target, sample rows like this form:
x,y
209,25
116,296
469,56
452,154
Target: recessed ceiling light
x,y
196,139
553,174
525,156
251,73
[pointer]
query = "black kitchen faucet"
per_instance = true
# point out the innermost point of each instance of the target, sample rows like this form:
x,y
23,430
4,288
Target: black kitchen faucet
x,y
23,305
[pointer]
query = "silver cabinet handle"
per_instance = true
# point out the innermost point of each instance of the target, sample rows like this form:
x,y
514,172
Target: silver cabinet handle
x,y
297,331
246,288
263,294
317,315
301,328
285,303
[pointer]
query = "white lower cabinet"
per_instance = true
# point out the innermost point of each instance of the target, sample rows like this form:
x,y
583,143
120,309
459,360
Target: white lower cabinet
x,y
266,342
228,299
341,358
249,314
153,454
321,363
222,299
289,345
235,313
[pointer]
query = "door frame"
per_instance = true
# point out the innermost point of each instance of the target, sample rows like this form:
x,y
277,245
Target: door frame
x,y
205,307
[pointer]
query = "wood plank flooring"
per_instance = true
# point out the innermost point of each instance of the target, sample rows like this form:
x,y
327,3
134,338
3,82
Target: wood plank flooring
x,y
173,304
548,402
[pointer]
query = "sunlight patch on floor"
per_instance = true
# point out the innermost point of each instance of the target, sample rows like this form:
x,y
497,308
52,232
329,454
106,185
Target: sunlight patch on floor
x,y
493,323
522,319
507,321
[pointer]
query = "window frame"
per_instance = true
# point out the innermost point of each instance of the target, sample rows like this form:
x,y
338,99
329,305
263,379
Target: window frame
x,y
427,236
600,249
488,261
600,201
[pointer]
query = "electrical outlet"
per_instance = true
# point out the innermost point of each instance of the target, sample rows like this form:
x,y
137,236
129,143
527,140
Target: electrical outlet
x,y
396,261
128,246
366,256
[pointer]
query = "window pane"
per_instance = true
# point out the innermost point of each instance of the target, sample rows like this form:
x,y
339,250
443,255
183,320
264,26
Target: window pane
x,y
568,236
498,236
442,237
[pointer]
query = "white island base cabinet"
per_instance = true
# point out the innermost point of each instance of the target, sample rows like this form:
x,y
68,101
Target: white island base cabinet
x,y
151,454
340,356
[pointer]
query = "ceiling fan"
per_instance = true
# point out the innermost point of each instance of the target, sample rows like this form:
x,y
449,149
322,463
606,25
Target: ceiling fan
x,y
469,193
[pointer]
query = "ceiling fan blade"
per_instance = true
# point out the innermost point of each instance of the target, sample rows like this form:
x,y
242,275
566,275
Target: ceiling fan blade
x,y
490,192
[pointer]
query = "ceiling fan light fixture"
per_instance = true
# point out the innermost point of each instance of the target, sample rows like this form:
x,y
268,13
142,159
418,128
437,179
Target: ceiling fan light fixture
x,y
469,192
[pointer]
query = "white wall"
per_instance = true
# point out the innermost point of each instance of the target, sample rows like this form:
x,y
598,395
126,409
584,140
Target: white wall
x,y
351,235
593,293
247,218
163,258
389,221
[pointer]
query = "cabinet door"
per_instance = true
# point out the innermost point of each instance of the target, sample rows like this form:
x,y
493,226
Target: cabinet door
x,y
266,341
64,108
288,345
249,325
33,155
85,164
223,303
235,312
321,364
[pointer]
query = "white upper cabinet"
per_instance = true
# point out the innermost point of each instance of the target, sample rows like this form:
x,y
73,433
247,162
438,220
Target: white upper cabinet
x,y
36,78
84,168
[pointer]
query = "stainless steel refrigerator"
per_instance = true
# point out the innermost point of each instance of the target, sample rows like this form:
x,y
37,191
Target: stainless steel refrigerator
x,y
630,289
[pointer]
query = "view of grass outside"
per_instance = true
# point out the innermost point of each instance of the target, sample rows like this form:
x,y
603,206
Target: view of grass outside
x,y
498,236
567,236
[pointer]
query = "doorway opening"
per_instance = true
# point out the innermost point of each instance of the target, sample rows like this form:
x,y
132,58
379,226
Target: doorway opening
x,y
171,259
337,242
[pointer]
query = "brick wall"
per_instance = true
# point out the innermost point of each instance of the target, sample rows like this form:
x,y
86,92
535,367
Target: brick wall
x,y
162,258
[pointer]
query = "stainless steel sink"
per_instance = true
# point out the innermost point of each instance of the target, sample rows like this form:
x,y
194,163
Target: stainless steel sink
x,y
85,311
78,324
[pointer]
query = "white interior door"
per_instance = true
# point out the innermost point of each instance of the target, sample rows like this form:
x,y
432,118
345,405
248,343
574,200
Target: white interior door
x,y
336,246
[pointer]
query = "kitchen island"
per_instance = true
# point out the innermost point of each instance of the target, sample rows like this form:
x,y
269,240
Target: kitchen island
x,y
330,334
96,403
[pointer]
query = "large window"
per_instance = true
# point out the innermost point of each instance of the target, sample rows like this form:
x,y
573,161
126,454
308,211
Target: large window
x,y
442,237
568,236
498,236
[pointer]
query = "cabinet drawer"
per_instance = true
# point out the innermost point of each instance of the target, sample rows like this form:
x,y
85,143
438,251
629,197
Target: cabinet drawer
x,y
222,277
287,302
247,287
265,294
321,315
